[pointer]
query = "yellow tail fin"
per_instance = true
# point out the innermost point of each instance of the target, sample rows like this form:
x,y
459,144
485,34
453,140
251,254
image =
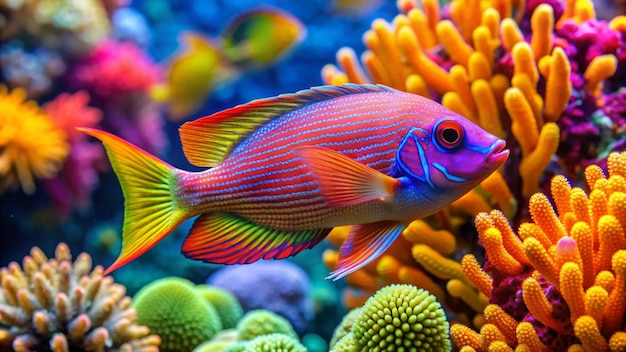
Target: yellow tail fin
x,y
151,209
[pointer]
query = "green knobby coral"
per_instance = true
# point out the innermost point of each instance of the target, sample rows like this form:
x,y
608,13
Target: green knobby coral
x,y
174,311
345,326
345,344
263,322
275,343
225,303
402,318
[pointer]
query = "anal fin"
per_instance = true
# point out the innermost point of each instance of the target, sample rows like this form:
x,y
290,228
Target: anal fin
x,y
225,238
364,244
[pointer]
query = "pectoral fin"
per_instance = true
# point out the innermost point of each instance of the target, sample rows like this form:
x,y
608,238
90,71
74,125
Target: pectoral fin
x,y
344,181
364,244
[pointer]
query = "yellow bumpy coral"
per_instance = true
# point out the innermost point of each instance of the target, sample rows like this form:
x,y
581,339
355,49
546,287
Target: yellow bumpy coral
x,y
31,146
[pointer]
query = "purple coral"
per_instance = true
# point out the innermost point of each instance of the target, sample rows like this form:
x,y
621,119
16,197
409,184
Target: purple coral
x,y
281,287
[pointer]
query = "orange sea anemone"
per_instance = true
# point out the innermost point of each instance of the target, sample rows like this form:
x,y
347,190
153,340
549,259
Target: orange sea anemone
x,y
31,145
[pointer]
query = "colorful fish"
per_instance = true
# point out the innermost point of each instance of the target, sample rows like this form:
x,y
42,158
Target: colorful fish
x,y
262,36
254,39
193,73
285,170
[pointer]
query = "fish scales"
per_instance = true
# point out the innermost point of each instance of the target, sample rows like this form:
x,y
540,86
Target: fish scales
x,y
263,172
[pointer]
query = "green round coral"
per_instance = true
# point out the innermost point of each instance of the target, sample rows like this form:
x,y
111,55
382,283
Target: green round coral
x,y
225,303
174,311
263,322
275,343
402,318
345,344
345,326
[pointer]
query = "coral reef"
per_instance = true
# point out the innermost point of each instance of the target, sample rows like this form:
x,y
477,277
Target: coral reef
x,y
59,305
558,283
177,313
528,73
280,287
542,75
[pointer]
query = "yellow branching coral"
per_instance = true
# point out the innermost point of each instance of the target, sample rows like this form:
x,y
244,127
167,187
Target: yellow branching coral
x,y
31,146
574,283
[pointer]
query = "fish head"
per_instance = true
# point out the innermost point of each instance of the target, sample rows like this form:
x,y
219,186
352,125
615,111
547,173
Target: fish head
x,y
450,153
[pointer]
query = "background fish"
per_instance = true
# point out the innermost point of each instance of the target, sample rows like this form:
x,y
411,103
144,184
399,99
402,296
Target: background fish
x,y
285,170
260,37
197,69
254,39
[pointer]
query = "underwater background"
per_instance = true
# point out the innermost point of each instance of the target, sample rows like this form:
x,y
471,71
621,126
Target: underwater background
x,y
548,76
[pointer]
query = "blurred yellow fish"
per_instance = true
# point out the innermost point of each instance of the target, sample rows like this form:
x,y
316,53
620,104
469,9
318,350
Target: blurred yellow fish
x,y
193,74
252,40
355,8
262,36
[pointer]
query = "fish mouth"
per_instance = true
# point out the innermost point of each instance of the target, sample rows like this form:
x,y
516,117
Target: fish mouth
x,y
497,154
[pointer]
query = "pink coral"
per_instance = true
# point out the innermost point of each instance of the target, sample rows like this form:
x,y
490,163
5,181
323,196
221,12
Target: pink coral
x,y
113,69
73,185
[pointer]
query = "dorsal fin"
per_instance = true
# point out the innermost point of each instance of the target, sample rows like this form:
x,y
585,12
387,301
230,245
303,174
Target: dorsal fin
x,y
208,140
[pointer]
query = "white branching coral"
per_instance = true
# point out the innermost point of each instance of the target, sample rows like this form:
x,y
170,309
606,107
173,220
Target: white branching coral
x,y
56,305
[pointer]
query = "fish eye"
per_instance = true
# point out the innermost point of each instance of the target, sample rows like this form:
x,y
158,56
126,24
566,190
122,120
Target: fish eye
x,y
449,134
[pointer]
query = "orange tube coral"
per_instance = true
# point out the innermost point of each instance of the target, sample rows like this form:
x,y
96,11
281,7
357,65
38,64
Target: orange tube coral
x,y
541,261
467,293
453,42
482,39
348,61
595,303
511,34
460,81
611,239
560,190
587,331
527,335
542,24
558,86
490,334
599,69
524,61
436,264
543,215
531,168
419,232
462,335
537,304
505,323
478,66
476,275
581,233
616,305
487,107
433,74
571,287
523,124
499,257
511,242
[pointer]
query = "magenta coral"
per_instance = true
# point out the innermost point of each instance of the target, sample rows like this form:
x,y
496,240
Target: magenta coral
x,y
112,69
72,187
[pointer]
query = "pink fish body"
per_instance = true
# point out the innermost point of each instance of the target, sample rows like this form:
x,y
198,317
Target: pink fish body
x,y
285,170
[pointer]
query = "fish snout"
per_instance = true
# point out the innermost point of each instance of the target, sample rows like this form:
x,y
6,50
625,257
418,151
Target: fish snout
x,y
497,155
